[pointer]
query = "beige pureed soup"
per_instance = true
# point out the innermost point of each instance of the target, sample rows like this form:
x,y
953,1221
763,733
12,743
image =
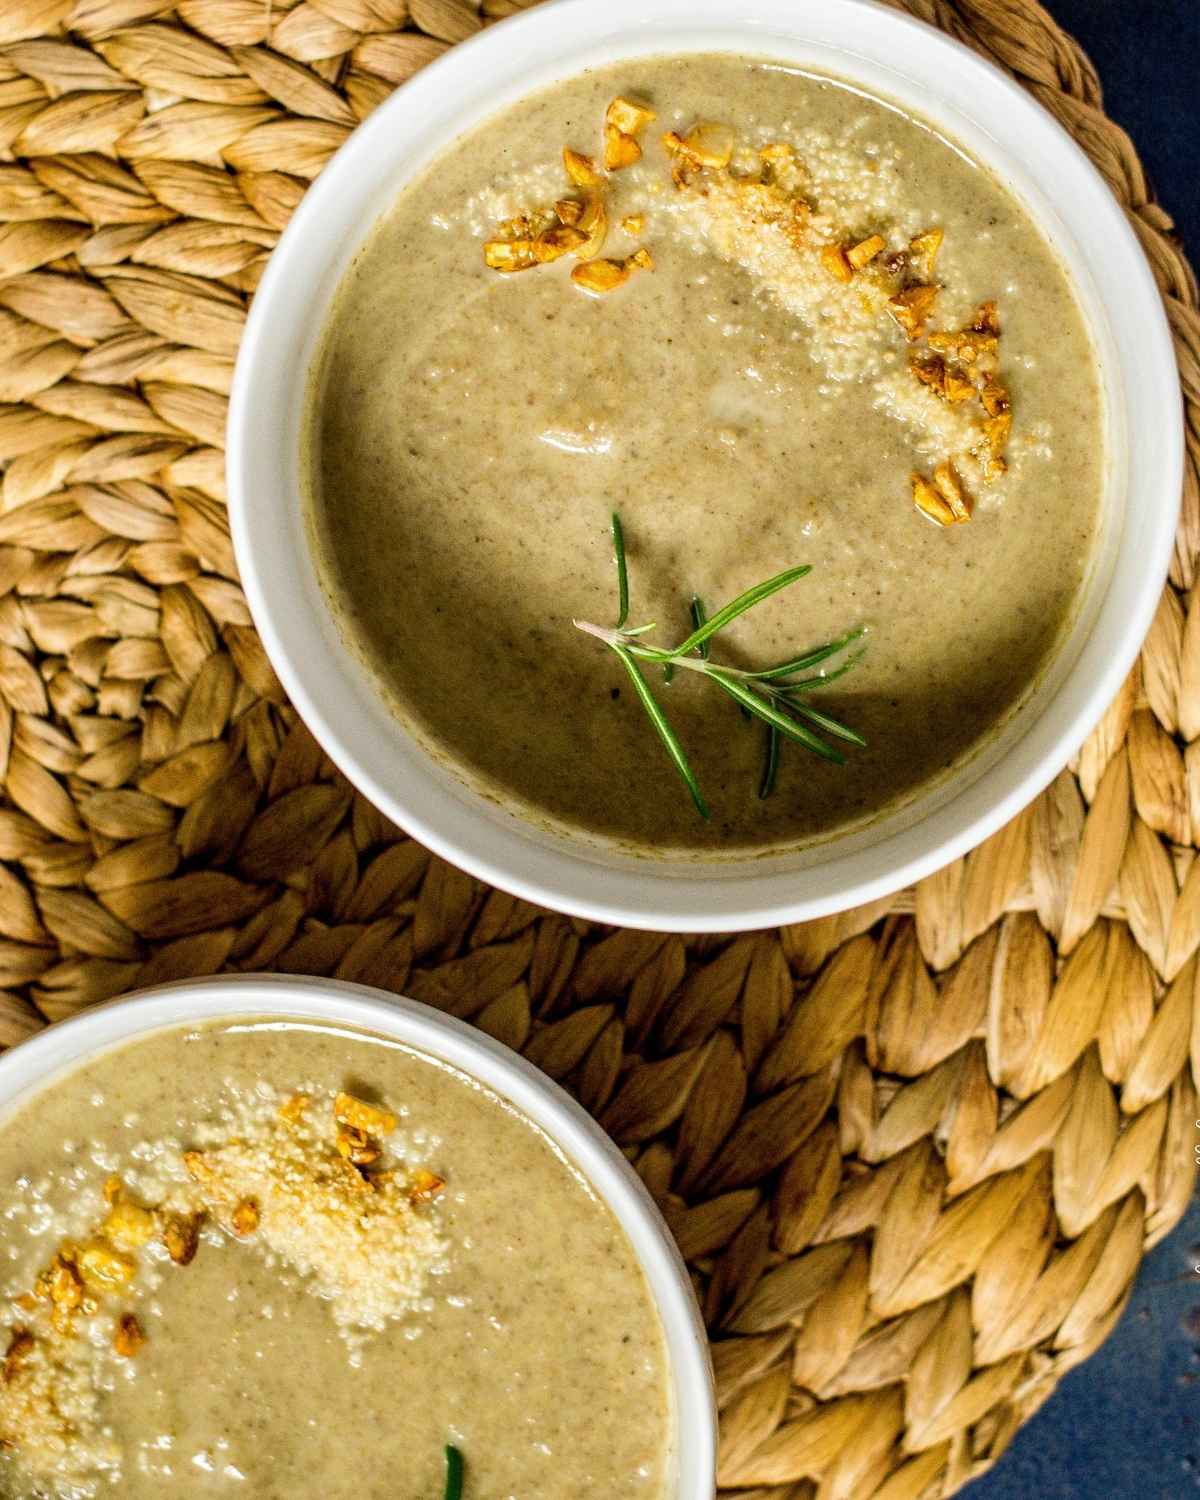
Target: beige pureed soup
x,y
286,1260
780,323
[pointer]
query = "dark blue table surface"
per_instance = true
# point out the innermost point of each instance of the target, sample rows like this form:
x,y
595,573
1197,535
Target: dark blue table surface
x,y
1147,53
1128,1422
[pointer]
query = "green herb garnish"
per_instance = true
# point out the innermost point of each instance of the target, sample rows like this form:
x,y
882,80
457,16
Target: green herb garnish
x,y
699,615
774,694
618,536
454,1473
771,764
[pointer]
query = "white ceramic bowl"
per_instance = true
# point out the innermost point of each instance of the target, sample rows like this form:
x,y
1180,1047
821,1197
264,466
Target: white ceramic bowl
x,y
61,1048
891,55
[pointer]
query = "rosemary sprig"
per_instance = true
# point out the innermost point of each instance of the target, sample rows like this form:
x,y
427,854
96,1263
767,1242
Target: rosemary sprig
x,y
454,1473
775,694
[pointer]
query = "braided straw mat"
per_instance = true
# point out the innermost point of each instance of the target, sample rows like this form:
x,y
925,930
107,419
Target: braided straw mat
x,y
914,1153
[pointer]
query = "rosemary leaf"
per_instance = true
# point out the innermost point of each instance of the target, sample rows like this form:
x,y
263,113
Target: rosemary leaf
x,y
454,1473
665,733
739,606
618,536
828,723
772,715
771,765
699,617
810,658
822,679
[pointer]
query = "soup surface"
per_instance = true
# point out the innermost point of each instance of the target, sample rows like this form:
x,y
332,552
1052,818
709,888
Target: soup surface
x,y
753,402
299,1353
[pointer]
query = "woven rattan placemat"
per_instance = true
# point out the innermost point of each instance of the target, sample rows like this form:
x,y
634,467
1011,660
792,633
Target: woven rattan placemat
x,y
913,1154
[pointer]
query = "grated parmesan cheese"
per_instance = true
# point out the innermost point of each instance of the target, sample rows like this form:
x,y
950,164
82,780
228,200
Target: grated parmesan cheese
x,y
365,1246
937,429
50,1413
844,322
845,192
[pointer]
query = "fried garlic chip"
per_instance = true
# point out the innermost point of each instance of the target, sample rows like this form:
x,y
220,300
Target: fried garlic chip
x,y
593,224
624,119
995,397
996,432
911,308
601,276
930,503
945,381
128,1338
998,429
950,487
581,169
129,1225
104,1268
556,241
356,1146
925,249
509,255
181,1237
620,150
707,144
348,1110
64,1282
710,143
833,258
967,345
930,372
424,1185
865,251
245,1218
629,116
20,1347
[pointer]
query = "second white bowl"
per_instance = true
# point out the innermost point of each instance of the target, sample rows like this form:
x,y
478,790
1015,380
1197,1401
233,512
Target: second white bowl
x,y
35,1064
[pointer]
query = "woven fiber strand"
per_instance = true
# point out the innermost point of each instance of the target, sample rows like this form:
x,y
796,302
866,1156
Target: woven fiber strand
x,y
914,1153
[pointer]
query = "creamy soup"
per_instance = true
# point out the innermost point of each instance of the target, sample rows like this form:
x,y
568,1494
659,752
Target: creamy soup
x,y
371,1275
846,316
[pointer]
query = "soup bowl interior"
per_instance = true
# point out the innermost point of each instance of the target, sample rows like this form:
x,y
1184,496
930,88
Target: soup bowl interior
x,y
899,60
62,1048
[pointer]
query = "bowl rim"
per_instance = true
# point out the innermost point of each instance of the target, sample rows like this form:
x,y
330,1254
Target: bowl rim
x,y
54,1053
726,895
